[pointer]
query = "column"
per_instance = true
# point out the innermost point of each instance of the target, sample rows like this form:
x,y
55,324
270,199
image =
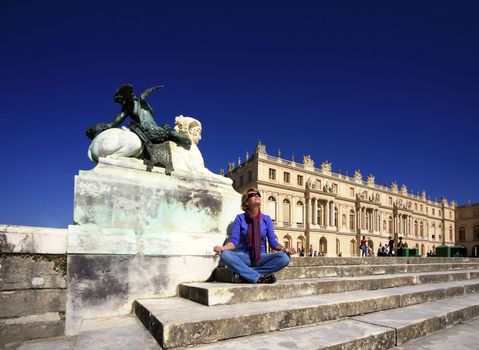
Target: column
x,y
326,214
307,214
331,214
358,218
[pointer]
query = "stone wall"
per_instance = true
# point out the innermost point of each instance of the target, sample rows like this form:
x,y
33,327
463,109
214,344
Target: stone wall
x,y
32,284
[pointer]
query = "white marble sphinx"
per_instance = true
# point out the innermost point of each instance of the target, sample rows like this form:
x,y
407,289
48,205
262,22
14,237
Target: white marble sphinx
x,y
121,142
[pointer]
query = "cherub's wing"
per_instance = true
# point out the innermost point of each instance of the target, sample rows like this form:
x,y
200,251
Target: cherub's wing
x,y
144,94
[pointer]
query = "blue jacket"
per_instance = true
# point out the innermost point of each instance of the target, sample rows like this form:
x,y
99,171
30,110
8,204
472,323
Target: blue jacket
x,y
239,234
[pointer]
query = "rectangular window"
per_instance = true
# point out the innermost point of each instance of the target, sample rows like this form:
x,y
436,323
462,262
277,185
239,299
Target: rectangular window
x,y
440,213
427,210
450,215
415,206
272,174
421,208
390,200
433,211
351,192
286,177
335,188
300,180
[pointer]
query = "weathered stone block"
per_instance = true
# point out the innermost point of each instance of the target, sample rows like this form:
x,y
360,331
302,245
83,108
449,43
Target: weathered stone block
x,y
122,209
27,271
17,330
31,302
107,285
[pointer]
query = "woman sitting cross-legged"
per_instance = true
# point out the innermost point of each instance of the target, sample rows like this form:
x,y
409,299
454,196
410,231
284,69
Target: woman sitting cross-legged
x,y
245,252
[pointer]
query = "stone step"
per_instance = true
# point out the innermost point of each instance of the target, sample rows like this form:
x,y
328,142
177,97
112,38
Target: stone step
x,y
463,336
378,330
176,322
217,293
112,333
109,333
366,270
334,261
295,272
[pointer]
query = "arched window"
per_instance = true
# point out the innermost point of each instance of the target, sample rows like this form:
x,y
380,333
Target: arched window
x,y
450,233
423,250
421,229
384,225
320,215
338,247
352,220
371,245
462,234
272,208
300,244
286,211
323,246
343,220
353,248
287,241
299,212
415,228
390,225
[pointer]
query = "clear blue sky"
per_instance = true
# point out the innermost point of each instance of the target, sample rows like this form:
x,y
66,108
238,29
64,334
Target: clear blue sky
x,y
388,87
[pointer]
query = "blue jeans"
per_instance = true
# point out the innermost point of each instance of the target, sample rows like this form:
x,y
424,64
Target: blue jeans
x,y
240,263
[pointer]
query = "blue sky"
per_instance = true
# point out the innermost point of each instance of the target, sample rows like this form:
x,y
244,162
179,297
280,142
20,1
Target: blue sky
x,y
388,87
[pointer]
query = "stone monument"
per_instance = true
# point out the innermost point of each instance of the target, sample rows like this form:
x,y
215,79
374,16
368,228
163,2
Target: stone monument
x,y
141,227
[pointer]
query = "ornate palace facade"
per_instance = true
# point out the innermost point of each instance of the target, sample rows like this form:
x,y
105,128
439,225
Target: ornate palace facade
x,y
467,228
319,210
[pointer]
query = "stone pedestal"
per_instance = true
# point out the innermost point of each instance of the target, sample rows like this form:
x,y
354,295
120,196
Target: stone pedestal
x,y
138,234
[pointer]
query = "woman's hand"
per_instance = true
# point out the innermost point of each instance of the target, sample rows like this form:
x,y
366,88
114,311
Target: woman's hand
x,y
290,250
218,249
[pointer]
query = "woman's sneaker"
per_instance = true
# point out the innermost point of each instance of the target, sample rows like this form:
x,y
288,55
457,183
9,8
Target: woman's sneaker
x,y
267,279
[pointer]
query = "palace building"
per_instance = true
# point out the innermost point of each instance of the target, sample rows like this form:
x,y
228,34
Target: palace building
x,y
467,228
327,212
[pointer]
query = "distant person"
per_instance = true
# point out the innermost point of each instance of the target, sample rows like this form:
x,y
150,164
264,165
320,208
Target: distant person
x,y
380,250
364,246
245,252
401,247
391,246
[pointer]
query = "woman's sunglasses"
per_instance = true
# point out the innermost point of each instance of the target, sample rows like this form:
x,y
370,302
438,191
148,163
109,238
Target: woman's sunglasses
x,y
254,194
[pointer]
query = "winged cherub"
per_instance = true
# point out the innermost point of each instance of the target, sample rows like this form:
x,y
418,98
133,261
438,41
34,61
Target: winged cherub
x,y
142,124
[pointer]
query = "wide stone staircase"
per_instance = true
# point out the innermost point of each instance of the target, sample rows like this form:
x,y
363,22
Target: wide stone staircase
x,y
358,303
317,303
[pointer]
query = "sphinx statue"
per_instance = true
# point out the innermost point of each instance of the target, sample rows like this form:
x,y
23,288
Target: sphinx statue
x,y
178,147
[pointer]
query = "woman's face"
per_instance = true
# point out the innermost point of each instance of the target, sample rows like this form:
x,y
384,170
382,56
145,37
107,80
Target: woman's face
x,y
254,199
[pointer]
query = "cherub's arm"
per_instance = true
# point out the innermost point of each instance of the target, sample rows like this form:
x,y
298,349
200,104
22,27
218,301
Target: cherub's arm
x,y
94,130
120,117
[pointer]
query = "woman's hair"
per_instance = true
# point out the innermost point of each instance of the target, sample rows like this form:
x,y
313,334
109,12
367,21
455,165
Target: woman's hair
x,y
244,198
